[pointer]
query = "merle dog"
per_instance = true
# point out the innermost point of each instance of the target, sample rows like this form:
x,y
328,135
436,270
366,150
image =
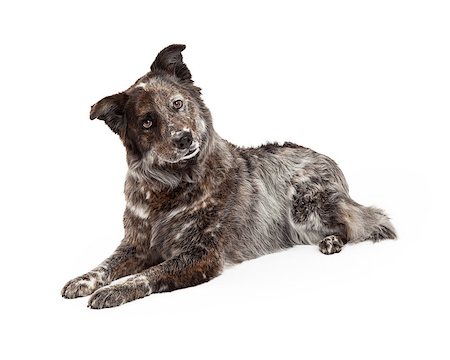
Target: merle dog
x,y
195,202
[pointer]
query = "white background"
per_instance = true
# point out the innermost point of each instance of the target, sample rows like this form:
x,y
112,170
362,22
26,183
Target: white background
x,y
365,82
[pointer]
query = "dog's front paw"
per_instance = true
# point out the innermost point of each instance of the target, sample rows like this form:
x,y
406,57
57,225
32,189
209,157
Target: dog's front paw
x,y
82,286
114,295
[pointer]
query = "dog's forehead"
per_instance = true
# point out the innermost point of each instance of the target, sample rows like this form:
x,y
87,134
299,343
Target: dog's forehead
x,y
142,103
152,93
155,85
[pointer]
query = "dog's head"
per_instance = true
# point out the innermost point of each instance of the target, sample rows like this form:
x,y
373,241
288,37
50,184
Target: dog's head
x,y
161,119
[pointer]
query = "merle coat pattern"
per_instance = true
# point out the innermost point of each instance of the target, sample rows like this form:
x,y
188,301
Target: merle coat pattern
x,y
195,202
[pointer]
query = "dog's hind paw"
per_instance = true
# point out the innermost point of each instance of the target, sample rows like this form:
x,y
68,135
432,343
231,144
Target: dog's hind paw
x,y
331,244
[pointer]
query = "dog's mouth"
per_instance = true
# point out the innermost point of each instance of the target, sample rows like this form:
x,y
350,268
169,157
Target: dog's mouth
x,y
176,156
191,153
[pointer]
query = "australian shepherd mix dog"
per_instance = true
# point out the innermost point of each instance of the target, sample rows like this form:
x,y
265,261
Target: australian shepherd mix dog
x,y
195,202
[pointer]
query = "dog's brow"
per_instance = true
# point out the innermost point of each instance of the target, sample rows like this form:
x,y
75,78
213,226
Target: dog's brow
x,y
144,104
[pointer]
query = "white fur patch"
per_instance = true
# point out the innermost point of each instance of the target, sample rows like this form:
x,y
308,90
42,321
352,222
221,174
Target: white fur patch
x,y
142,85
201,125
183,229
138,210
91,283
175,212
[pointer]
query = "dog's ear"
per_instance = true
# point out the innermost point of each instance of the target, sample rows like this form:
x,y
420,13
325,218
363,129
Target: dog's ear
x,y
111,110
170,61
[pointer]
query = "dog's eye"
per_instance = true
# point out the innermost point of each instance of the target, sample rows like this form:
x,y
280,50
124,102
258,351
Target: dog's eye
x,y
147,124
178,104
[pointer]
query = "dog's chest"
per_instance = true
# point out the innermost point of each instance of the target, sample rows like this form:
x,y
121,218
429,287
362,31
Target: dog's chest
x,y
166,222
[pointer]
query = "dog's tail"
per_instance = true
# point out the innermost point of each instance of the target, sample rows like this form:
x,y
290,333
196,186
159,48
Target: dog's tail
x,y
366,223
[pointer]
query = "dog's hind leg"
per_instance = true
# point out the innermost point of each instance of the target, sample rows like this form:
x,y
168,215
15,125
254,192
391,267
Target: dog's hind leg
x,y
316,215
360,223
324,213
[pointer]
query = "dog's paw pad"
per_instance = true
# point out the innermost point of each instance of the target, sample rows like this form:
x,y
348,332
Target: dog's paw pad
x,y
331,245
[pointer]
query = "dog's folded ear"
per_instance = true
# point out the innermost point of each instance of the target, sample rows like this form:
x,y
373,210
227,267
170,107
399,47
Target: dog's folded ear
x,y
111,110
170,61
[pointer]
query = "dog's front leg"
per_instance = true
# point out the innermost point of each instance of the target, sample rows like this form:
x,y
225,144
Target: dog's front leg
x,y
189,268
126,260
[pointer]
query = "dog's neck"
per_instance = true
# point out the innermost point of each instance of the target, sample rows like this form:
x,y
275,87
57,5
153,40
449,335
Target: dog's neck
x,y
213,163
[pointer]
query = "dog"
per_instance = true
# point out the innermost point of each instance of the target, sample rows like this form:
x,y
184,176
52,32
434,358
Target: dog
x,y
196,203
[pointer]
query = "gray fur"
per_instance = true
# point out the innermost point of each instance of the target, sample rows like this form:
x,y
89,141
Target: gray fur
x,y
186,219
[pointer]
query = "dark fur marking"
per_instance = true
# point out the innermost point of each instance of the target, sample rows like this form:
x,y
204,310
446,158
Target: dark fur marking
x,y
315,200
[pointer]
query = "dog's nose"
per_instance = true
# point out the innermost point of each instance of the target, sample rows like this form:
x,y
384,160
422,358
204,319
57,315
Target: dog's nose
x,y
184,140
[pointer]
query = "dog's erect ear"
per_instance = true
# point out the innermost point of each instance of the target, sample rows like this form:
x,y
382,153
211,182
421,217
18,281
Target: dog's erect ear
x,y
111,110
170,61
